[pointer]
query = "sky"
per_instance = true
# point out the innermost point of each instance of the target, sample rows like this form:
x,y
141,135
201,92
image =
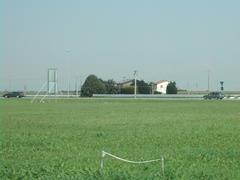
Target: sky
x,y
172,40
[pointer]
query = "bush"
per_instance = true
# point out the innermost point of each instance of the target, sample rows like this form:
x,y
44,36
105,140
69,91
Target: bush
x,y
171,88
127,90
92,85
143,87
111,87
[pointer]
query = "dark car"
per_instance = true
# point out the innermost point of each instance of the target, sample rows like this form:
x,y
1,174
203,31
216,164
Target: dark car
x,y
214,95
13,94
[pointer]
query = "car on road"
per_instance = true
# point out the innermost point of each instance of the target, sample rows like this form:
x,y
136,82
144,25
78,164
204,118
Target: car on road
x,y
214,95
13,94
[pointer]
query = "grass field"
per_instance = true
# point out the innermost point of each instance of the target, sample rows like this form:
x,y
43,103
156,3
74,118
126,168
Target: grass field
x,y
63,139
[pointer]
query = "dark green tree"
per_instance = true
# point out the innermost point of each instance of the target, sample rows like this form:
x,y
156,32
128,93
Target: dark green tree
x,y
143,87
92,85
127,90
111,87
171,88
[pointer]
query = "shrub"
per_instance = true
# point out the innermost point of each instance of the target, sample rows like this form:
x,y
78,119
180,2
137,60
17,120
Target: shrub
x,y
171,88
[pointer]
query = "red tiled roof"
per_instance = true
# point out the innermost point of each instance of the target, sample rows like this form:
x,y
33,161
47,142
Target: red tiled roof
x,y
161,81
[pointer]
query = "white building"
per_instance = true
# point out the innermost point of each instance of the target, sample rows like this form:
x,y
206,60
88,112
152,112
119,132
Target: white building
x,y
161,86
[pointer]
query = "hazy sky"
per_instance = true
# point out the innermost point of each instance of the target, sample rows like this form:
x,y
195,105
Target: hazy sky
x,y
176,40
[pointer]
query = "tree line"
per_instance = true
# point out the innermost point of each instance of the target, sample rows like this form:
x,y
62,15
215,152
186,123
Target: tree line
x,y
95,85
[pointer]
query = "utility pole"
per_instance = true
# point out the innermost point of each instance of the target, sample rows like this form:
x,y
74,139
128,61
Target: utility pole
x,y
25,89
68,87
76,86
68,52
135,84
80,85
10,84
152,89
208,80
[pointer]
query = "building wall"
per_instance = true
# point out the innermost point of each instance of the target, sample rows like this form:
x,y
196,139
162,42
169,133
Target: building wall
x,y
162,87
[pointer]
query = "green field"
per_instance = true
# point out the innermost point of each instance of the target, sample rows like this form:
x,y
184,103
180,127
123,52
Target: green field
x,y
63,139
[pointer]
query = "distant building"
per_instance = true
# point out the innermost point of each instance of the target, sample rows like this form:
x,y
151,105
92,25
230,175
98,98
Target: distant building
x,y
161,86
127,83
157,87
126,87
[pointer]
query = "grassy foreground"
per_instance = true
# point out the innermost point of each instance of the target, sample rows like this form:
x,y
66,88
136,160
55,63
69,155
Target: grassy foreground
x,y
63,139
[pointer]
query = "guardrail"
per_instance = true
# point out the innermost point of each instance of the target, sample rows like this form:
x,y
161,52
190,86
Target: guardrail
x,y
154,96
131,96
159,96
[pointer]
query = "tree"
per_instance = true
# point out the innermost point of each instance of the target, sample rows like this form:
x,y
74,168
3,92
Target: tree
x,y
171,88
92,85
111,87
143,87
127,90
